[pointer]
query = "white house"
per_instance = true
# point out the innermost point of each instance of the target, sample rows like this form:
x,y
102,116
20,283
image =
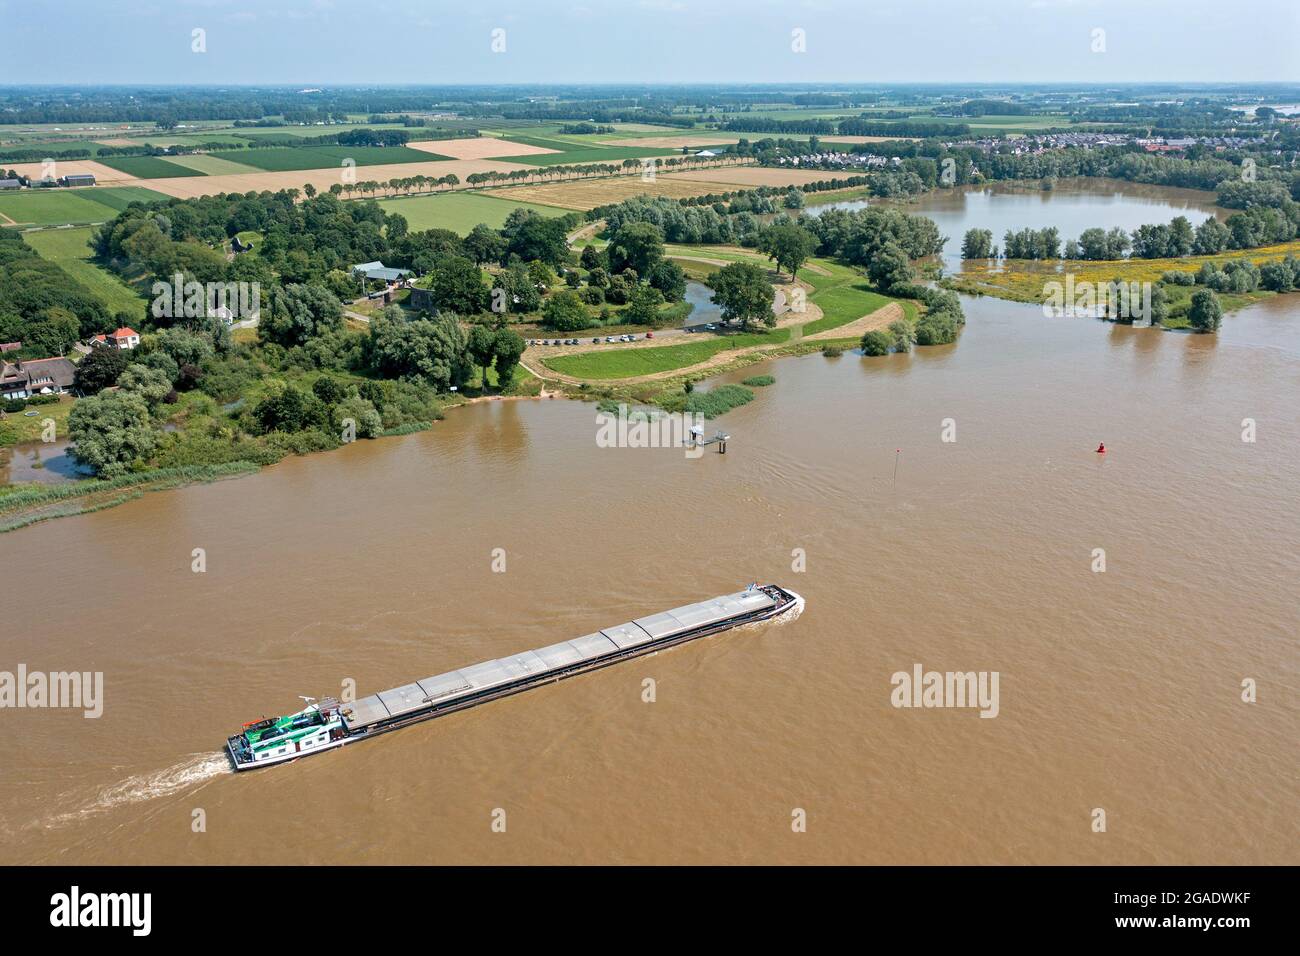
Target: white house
x,y
123,338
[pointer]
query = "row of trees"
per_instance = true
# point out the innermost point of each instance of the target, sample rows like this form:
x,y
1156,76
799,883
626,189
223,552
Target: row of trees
x,y
1242,275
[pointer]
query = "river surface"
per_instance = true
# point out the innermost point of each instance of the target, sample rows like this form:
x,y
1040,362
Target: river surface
x,y
44,462
1072,206
1119,690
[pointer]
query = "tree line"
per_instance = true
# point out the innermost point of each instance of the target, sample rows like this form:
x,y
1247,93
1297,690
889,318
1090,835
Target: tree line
x,y
1249,229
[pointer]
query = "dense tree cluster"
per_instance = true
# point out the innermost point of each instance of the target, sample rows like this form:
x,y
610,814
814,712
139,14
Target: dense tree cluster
x,y
858,235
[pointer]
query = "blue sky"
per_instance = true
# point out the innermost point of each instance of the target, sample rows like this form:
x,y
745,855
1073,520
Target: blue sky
x,y
646,41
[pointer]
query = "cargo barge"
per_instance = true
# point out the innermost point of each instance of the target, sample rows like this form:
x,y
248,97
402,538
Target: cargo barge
x,y
327,724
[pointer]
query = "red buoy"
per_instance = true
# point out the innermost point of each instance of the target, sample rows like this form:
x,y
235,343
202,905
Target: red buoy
x,y
1101,448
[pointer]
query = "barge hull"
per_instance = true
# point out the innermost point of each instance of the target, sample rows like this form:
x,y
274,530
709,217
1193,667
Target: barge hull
x,y
555,676
373,716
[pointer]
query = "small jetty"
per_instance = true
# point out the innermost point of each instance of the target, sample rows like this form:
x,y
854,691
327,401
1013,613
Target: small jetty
x,y
696,439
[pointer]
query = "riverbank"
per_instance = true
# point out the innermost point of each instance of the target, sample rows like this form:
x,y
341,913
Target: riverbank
x,y
23,505
1021,280
27,503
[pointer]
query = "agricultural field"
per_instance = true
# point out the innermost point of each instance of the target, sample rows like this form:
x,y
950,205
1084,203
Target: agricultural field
x,y
476,147
605,154
307,132
191,139
795,113
56,207
460,211
70,249
568,152
589,193
147,167
118,198
54,145
291,158
322,179
209,165
692,140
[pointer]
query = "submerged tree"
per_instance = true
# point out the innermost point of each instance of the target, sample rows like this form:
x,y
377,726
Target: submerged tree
x,y
111,432
1206,313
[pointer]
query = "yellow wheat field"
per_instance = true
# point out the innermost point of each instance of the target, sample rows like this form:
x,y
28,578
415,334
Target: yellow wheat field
x,y
477,147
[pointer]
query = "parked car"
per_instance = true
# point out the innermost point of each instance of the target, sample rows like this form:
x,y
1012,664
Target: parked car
x,y
546,341
596,340
649,335
609,338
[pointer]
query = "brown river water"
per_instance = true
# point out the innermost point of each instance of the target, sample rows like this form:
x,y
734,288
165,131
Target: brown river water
x,y
1118,690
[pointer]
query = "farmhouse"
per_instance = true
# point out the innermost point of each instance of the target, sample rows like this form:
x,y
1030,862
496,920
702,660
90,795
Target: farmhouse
x,y
123,338
78,179
380,272
51,376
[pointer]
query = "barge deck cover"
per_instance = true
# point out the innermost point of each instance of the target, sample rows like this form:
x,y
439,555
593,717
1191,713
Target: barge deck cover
x,y
422,694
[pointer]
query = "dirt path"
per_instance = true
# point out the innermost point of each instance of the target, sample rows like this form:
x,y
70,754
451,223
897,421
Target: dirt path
x,y
876,320
540,396
585,232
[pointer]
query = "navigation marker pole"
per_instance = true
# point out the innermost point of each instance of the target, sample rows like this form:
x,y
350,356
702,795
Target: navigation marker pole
x,y
897,452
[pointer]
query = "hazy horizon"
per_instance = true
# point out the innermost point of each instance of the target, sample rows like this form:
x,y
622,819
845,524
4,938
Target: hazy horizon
x,y
653,42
